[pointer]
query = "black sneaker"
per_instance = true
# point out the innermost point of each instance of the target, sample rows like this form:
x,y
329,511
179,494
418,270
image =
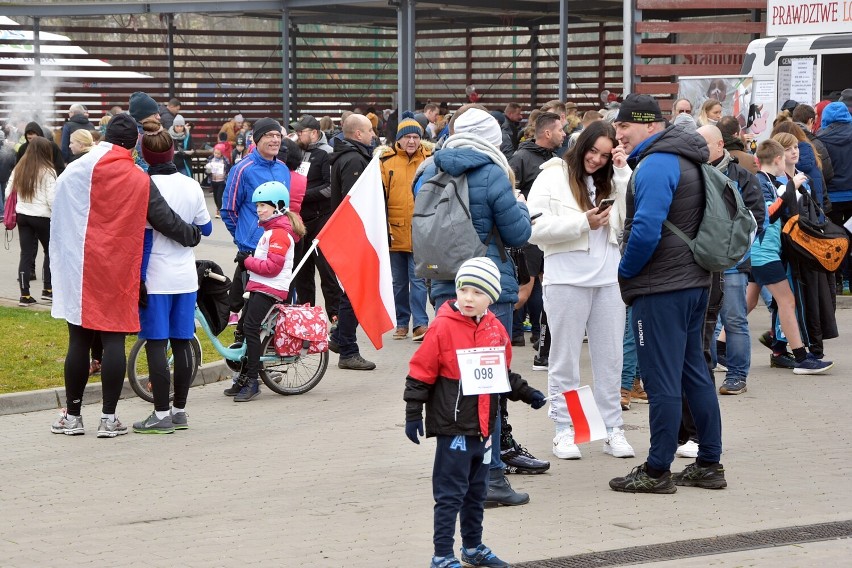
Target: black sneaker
x,y
356,363
27,301
782,360
47,295
733,386
236,386
767,339
638,481
693,475
518,341
540,363
519,460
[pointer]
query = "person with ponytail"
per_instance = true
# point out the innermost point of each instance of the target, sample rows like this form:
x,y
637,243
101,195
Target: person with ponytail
x,y
34,179
168,272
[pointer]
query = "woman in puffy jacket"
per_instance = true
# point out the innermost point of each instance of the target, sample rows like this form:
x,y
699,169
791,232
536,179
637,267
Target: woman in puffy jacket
x,y
34,179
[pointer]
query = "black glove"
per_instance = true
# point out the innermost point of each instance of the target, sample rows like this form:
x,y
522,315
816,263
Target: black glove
x,y
143,294
412,428
240,259
537,400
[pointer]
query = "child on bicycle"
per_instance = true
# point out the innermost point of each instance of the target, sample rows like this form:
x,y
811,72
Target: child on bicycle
x,y
270,271
462,421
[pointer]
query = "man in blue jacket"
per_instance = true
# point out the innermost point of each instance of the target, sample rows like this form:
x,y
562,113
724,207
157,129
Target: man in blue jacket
x,y
668,292
238,211
472,150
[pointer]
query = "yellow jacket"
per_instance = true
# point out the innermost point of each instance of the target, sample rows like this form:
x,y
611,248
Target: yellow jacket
x,y
397,178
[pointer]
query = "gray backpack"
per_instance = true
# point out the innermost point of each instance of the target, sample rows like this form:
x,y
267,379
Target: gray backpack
x,y
442,232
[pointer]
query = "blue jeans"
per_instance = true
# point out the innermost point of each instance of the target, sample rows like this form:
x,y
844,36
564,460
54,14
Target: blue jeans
x,y
630,365
503,312
407,302
670,344
734,317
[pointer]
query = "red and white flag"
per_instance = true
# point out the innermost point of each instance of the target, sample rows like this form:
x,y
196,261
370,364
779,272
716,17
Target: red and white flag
x,y
585,416
355,244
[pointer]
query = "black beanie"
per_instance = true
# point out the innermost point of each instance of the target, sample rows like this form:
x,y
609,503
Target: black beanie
x,y
122,131
142,106
263,126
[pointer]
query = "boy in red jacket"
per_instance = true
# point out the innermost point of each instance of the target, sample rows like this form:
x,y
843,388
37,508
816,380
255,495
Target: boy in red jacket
x,y
460,392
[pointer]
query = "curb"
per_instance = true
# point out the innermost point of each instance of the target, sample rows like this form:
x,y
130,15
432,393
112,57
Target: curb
x,y
54,399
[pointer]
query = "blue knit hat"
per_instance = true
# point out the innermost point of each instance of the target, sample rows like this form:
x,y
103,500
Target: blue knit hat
x,y
407,125
142,106
480,272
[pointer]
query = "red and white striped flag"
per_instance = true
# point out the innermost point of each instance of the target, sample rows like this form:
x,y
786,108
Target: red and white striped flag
x,y
588,424
355,244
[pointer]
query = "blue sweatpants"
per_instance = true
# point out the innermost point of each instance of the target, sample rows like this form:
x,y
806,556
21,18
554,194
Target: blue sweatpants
x,y
459,486
669,343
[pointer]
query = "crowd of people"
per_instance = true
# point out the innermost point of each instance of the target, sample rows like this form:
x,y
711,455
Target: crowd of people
x,y
574,213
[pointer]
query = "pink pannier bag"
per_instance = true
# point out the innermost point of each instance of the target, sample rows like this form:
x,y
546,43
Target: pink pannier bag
x,y
300,330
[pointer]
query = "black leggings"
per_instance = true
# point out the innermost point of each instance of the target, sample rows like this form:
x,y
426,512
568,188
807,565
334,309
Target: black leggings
x,y
218,188
256,308
114,366
33,230
158,371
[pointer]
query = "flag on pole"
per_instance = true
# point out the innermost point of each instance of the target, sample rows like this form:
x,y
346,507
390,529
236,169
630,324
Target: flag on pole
x,y
355,244
588,424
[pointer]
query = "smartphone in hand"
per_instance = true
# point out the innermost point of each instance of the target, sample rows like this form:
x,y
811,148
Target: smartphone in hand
x,y
605,204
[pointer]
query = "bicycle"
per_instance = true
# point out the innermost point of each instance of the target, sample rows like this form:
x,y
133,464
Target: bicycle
x,y
283,375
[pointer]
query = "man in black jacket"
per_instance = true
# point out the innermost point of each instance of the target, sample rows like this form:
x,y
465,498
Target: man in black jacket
x,y
529,157
350,158
511,128
78,117
32,130
668,292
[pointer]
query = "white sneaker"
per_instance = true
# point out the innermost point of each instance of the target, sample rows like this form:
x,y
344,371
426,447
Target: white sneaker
x,y
688,450
616,445
564,447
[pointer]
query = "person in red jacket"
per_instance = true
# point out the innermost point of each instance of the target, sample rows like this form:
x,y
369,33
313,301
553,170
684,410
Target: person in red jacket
x,y
459,412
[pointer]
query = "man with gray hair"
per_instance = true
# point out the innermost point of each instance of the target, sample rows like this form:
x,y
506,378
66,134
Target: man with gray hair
x,y
78,117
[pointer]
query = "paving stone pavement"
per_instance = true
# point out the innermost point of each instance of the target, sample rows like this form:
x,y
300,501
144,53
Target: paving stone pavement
x,y
328,479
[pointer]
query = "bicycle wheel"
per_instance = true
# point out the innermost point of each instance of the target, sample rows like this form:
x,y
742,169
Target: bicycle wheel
x,y
137,368
291,375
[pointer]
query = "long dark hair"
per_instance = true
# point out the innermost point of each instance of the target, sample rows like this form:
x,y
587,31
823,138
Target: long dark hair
x,y
37,158
577,171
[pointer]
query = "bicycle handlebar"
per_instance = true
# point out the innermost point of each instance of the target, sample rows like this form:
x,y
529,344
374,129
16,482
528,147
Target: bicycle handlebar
x,y
209,274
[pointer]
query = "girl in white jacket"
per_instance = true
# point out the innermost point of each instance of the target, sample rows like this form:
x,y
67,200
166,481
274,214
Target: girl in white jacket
x,y
581,200
34,179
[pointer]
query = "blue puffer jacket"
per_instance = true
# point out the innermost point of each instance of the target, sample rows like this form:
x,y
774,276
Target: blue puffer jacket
x,y
492,202
836,134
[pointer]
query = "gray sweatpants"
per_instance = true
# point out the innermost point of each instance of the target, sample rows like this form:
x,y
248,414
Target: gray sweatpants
x,y
573,311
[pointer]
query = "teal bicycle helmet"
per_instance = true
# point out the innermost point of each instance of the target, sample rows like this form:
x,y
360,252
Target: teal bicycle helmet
x,y
273,192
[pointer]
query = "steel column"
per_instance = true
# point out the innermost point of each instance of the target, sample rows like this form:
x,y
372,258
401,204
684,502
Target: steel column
x,y
563,50
285,66
170,51
406,36
36,48
534,45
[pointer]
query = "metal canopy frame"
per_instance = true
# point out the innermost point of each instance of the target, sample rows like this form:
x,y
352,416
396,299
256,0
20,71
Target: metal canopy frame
x,y
399,14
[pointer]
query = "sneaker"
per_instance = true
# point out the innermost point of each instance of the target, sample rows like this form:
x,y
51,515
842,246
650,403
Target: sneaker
x,y
69,425
693,475
26,301
733,386
638,481
625,399
812,366
616,445
94,367
564,447
236,386
180,421
47,295
766,339
400,333
518,341
482,556
687,450
333,346
418,333
356,363
540,363
445,562
154,425
638,393
249,391
518,460
111,428
233,319
527,325
719,368
782,360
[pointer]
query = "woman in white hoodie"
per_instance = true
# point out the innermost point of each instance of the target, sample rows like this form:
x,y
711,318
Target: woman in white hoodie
x,y
34,179
581,202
